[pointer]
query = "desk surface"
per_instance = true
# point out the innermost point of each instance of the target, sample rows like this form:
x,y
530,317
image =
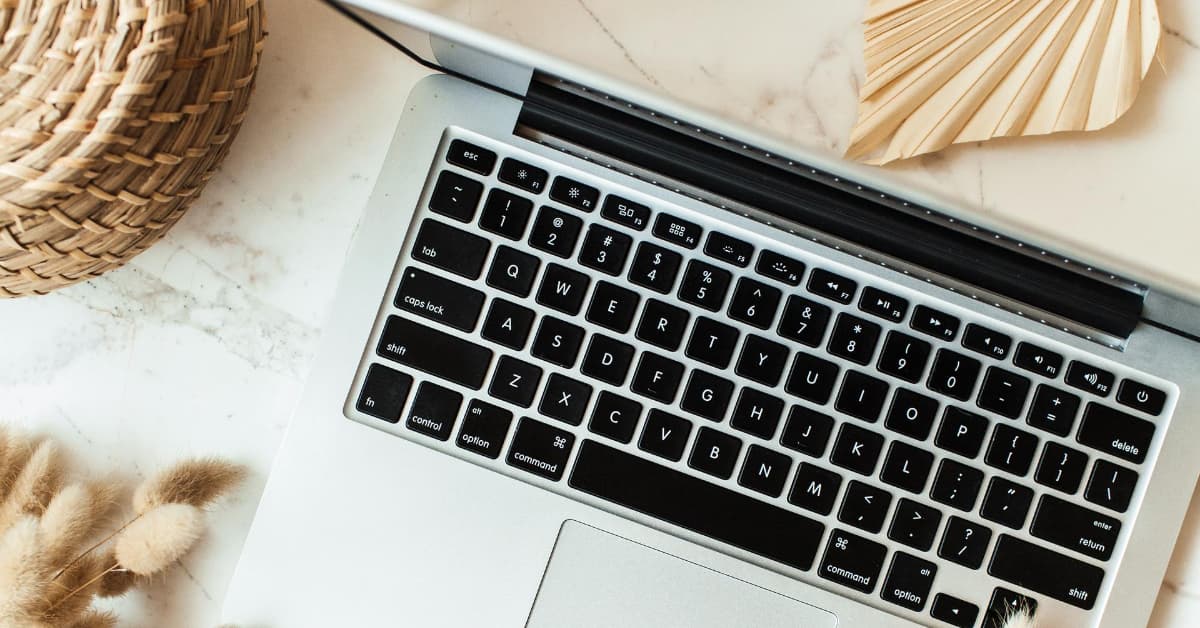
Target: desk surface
x,y
201,344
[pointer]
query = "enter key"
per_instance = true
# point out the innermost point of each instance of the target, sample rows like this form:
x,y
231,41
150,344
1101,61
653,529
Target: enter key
x,y
1075,527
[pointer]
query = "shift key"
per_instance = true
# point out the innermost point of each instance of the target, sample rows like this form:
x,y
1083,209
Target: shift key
x,y
439,299
434,352
450,249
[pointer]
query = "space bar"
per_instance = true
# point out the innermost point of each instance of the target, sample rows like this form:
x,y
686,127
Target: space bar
x,y
699,506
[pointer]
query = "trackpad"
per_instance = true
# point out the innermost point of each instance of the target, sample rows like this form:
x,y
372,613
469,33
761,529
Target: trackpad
x,y
596,579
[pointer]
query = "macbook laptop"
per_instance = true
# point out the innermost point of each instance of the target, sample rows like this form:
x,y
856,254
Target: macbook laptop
x,y
601,359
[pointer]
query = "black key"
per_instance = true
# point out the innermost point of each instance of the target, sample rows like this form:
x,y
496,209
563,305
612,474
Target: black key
x,y
1003,392
856,449
522,175
1093,379
906,467
911,414
654,267
434,352
807,431
712,342
697,505
605,250
662,324
937,324
1053,410
565,399
540,449
563,289
864,506
1004,604
754,303
715,453
852,561
964,542
607,360
812,378
484,428
762,360
1045,571
613,307
953,611
1035,359
505,214
815,489
883,304
471,157
657,377
1115,433
1075,527
383,393
574,194
989,342
450,249
804,321
1110,486
779,267
831,286
434,411
956,485
439,299
1011,450
1061,468
953,374
862,396
455,196
513,271
756,413
961,432
914,524
555,232
1139,396
854,338
677,230
626,212
728,249
904,356
557,342
508,324
707,395
704,285
665,435
515,381
615,417
765,471
1006,503
908,581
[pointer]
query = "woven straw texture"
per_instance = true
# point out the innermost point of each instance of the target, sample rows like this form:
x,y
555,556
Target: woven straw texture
x,y
113,115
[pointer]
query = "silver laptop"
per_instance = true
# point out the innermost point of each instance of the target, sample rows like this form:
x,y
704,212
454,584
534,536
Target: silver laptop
x,y
598,359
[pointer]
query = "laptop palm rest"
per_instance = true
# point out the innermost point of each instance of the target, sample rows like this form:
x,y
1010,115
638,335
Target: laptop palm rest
x,y
598,580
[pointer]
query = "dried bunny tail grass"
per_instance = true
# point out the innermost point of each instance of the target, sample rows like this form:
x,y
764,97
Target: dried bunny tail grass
x,y
117,582
71,594
159,537
94,619
23,580
196,482
74,515
14,453
35,485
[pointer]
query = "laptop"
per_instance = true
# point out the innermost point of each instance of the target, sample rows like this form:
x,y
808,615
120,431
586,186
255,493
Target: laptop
x,y
601,359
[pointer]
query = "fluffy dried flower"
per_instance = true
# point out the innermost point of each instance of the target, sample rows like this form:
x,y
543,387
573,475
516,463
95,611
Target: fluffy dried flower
x,y
197,482
94,619
159,537
23,583
74,515
35,485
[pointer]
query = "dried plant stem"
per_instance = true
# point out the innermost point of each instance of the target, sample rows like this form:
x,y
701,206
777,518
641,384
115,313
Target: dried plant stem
x,y
83,586
94,547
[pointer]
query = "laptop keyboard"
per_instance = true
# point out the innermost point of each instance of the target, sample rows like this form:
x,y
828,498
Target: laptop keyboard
x,y
711,378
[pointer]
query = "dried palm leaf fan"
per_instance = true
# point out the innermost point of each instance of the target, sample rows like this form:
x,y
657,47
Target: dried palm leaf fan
x,y
113,114
941,72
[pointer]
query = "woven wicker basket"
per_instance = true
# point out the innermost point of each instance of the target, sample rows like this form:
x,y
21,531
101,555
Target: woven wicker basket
x,y
113,114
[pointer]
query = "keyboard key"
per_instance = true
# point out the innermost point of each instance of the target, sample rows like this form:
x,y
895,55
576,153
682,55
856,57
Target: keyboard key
x,y
961,432
615,417
563,289
762,360
455,196
607,360
1003,604
883,304
864,506
662,325
956,485
657,377
728,249
964,542
1075,527
712,342
665,435
522,175
765,471
1061,468
1053,410
715,453
471,157
507,324
439,299
779,267
904,356
1115,433
804,321
505,214
1006,503
1035,359
574,194
434,411
953,611
914,524
540,449
1090,378
953,375
434,352
831,286
908,581
555,232
989,342
1111,486
754,303
484,428
515,381
707,395
1011,450
911,414
862,396
807,431
654,267
1003,392
934,323
852,561
756,413
906,467
1139,396
697,505
677,230
513,271
812,378
815,489
613,307
626,212
383,393
854,339
450,249
704,285
1045,571
605,250
856,449
557,342
565,399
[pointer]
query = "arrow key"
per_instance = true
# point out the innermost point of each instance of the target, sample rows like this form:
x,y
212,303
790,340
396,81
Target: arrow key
x,y
954,611
865,506
1003,604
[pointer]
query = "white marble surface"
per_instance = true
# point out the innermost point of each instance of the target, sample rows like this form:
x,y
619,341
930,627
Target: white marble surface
x,y
201,344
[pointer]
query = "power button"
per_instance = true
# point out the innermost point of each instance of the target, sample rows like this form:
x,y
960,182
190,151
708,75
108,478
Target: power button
x,y
1139,396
